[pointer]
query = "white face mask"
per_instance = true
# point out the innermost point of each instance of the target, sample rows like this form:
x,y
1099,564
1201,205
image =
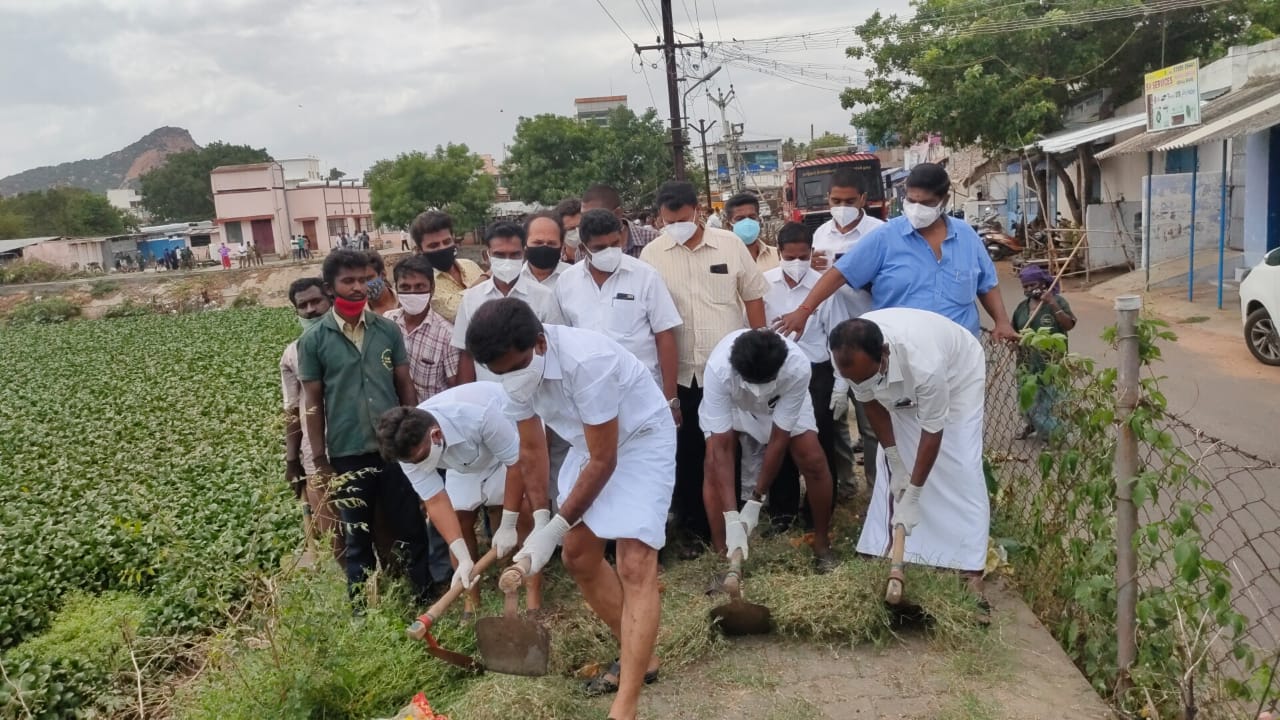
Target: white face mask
x,y
522,384
571,238
873,383
431,462
607,259
795,269
681,232
415,303
920,215
506,270
762,391
845,215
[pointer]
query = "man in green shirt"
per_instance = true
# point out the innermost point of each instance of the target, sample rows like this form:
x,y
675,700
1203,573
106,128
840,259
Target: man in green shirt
x,y
1045,308
354,367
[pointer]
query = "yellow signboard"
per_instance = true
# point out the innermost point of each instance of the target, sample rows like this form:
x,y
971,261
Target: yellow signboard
x,y
1173,96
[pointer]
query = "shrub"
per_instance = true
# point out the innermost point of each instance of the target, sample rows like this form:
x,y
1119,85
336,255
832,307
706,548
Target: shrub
x,y
43,311
128,308
31,271
247,299
103,288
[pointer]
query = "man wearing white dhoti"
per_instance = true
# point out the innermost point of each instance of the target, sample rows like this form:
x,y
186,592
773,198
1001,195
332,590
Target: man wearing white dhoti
x,y
616,482
922,378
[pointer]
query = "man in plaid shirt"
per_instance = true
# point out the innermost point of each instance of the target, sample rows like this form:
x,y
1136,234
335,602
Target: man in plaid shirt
x,y
634,236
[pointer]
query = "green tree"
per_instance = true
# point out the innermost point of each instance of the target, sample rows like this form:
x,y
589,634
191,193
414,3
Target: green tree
x,y
451,179
180,189
634,157
970,77
60,211
551,158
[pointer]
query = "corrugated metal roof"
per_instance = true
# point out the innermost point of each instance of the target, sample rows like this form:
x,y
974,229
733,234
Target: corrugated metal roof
x,y
1071,139
1210,113
8,246
835,159
1258,116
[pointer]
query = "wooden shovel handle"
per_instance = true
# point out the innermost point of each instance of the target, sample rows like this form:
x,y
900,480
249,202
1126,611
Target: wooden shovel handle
x,y
513,577
455,590
733,578
897,583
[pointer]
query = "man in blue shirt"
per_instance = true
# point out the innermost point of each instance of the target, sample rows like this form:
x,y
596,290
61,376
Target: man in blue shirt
x,y
923,259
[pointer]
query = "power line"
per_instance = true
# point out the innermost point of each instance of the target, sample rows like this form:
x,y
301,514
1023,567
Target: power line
x,y
644,10
615,22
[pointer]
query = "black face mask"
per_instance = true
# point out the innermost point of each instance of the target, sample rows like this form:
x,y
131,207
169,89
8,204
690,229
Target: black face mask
x,y
542,257
443,260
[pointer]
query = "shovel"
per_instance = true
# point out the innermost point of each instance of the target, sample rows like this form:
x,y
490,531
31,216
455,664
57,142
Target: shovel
x,y
897,583
510,644
421,628
738,617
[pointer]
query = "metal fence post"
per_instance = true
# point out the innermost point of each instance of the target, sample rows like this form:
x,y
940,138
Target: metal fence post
x,y
1126,468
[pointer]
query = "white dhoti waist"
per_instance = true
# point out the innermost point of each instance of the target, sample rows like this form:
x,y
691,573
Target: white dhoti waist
x,y
635,500
955,514
469,491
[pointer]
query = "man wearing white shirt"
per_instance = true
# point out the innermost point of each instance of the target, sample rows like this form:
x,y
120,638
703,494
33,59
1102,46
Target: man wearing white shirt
x,y
922,378
622,298
617,482
544,249
789,285
504,247
758,392
465,431
849,223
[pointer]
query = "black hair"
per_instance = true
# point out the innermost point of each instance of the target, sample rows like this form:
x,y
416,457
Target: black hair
x,y
499,327
758,355
431,221
545,216
740,199
504,229
375,259
342,259
676,194
302,284
596,223
567,208
858,335
849,178
415,264
930,177
794,232
401,430
603,194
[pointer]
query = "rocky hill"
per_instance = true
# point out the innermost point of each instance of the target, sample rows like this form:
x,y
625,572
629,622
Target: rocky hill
x,y
121,168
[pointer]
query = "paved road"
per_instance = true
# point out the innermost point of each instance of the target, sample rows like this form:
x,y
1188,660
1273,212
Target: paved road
x,y
1212,381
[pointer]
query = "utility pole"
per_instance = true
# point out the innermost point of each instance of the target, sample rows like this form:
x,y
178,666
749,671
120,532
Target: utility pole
x,y
730,137
668,48
702,130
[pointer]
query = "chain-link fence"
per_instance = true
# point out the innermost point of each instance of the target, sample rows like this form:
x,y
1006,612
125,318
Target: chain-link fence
x,y
1196,633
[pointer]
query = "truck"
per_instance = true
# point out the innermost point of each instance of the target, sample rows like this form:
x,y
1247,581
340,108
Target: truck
x,y
805,197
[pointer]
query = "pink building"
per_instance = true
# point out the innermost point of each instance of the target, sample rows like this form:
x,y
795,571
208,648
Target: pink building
x,y
254,205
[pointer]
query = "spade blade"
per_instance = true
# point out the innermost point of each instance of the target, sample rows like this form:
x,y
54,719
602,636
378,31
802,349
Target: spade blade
x,y
513,646
738,617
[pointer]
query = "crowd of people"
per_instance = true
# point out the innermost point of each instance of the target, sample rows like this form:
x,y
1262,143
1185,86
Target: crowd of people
x,y
605,380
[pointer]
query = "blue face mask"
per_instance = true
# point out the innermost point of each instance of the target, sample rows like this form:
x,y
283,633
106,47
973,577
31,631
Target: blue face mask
x,y
747,229
376,286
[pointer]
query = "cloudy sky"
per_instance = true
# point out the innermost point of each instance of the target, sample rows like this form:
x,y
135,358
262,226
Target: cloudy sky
x,y
355,81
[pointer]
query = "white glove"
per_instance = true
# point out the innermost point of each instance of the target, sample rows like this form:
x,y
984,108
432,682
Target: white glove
x,y
465,564
505,539
839,405
541,543
750,516
735,534
906,512
899,478
541,518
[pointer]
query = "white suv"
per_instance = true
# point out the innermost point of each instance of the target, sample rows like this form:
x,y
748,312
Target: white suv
x,y
1260,309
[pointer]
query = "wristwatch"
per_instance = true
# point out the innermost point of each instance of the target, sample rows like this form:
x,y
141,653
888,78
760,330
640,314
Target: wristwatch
x,y
674,403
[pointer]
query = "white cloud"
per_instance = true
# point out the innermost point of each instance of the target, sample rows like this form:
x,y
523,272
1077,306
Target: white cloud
x,y
354,81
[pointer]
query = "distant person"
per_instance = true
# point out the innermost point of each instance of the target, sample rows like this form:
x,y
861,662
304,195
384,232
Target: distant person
x,y
569,212
545,249
310,303
404,240
743,212
242,257
224,252
432,234
1043,308
354,367
603,197
382,296
344,240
